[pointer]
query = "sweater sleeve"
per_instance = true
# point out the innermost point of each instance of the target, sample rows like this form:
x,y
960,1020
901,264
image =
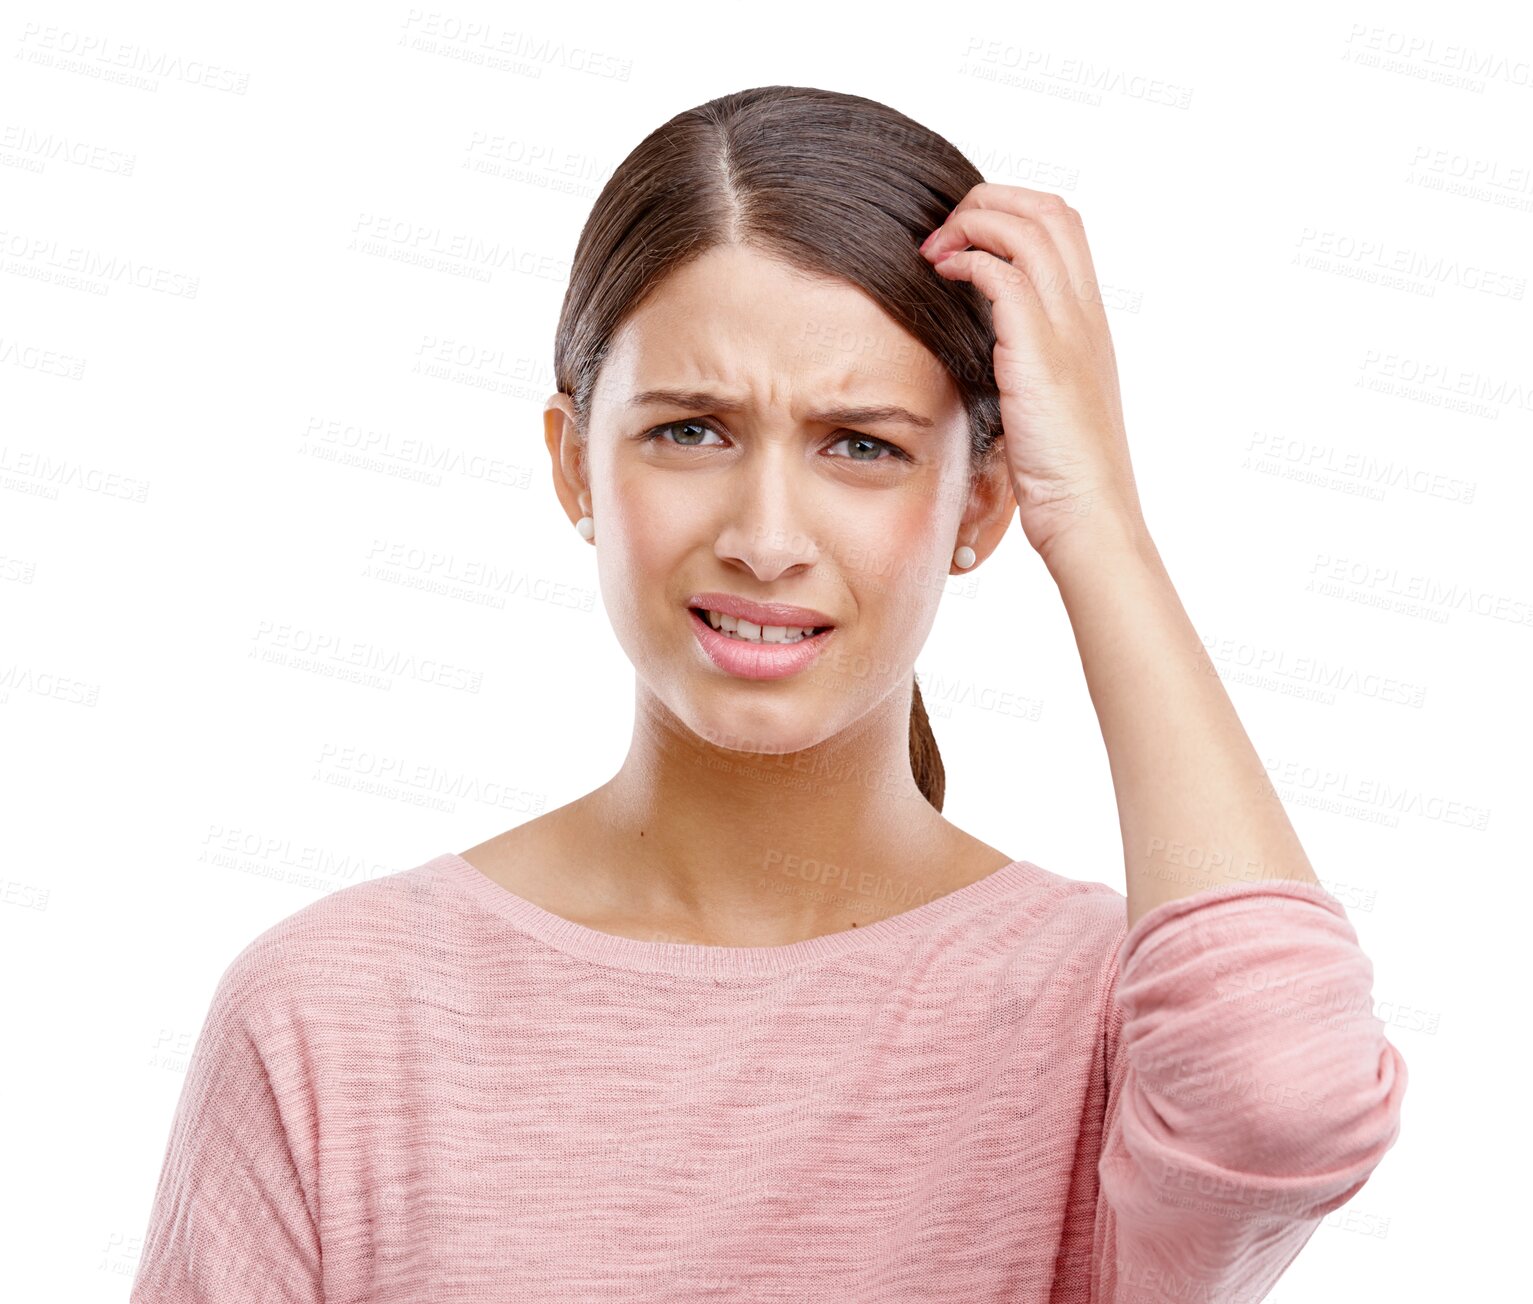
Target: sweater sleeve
x,y
231,1221
1251,1091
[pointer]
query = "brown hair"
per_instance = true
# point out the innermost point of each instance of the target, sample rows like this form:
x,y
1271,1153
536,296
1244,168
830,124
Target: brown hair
x,y
836,184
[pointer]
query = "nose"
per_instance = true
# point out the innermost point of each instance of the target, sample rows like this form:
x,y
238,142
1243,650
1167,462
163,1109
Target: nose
x,y
768,515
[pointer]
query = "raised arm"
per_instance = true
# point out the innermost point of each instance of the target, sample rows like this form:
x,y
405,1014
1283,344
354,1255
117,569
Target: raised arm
x,y
1251,1088
1195,807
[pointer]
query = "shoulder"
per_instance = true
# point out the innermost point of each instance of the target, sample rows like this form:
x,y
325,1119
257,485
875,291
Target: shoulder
x,y
352,946
1084,926
1094,914
1049,942
1067,937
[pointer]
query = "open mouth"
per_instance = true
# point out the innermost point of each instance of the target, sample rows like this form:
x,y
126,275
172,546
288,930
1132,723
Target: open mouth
x,y
745,632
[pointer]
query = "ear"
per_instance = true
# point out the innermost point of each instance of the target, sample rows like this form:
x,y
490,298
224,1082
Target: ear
x,y
991,505
566,448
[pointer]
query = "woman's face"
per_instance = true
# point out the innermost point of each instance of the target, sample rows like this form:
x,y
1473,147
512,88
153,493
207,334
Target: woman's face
x,y
762,492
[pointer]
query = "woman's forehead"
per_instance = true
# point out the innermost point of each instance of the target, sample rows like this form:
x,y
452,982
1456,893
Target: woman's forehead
x,y
732,298
837,388
815,365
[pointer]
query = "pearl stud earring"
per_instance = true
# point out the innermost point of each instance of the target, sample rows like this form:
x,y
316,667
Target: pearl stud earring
x,y
964,557
586,526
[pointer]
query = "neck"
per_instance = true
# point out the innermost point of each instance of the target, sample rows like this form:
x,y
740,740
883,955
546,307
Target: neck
x,y
767,849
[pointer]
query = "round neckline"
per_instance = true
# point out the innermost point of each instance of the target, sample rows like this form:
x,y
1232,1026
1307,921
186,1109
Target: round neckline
x,y
688,958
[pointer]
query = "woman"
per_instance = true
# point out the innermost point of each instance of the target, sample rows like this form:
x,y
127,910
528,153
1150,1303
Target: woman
x,y
752,1020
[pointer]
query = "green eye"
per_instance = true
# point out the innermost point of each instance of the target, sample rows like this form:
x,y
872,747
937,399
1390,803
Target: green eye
x,y
659,431
876,445
697,428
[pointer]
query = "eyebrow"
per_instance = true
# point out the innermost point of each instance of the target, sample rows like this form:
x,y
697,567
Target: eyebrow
x,y
872,414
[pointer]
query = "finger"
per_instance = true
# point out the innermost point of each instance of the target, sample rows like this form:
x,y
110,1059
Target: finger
x,y
1045,206
1017,311
1062,221
1025,243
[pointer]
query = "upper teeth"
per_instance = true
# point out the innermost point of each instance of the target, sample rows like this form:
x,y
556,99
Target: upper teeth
x,y
759,633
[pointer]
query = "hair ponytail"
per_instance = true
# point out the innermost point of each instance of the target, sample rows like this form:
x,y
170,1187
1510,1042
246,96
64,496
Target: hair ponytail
x,y
925,759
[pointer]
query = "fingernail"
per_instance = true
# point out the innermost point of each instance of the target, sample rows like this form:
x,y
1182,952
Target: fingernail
x,y
929,239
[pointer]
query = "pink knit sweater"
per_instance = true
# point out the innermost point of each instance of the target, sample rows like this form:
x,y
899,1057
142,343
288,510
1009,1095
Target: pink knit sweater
x,y
423,1089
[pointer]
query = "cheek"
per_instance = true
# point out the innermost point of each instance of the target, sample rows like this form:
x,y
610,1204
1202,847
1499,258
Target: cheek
x,y
893,557
643,533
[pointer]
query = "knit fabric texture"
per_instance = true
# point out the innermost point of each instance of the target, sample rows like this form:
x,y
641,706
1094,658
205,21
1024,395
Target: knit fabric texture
x,y
425,1088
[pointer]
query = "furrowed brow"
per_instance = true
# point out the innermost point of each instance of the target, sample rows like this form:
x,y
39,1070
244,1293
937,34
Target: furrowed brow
x,y
871,414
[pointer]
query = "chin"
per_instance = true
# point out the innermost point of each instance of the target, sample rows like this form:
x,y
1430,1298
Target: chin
x,y
782,730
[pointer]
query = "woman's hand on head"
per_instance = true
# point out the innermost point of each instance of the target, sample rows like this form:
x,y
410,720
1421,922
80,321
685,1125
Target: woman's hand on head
x,y
1066,446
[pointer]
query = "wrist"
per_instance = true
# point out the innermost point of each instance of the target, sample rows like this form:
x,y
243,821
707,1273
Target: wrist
x,y
1107,543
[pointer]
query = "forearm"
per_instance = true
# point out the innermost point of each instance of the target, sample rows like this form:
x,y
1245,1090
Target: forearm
x,y
1195,807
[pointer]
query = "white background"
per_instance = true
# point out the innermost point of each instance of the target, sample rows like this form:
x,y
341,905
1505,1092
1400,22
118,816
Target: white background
x,y
269,435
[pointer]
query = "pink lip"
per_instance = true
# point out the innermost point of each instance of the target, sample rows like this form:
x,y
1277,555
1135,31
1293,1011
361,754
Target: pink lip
x,y
758,660
759,613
